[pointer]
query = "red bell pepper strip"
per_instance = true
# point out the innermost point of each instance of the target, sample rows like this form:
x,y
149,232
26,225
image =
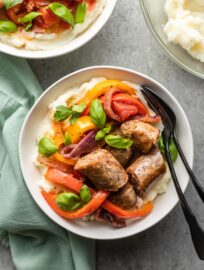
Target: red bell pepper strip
x,y
97,199
64,179
118,211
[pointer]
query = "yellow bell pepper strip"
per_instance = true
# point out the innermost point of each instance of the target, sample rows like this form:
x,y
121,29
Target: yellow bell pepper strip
x,y
97,199
58,137
100,89
120,212
82,125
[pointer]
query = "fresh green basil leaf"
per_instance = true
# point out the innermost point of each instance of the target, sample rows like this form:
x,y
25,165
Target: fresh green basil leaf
x,y
29,26
7,27
102,133
97,113
11,3
46,147
80,13
67,138
62,12
29,17
79,108
117,141
107,129
172,148
85,194
74,118
68,201
62,113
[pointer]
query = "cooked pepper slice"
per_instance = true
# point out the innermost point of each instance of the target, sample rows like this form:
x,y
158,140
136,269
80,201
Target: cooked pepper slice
x,y
100,88
67,161
64,179
116,210
97,199
82,125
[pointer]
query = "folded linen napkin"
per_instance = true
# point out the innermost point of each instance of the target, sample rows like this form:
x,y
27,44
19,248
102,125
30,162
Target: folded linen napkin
x,y
35,241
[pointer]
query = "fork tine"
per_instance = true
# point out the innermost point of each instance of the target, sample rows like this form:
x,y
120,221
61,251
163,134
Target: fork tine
x,y
155,104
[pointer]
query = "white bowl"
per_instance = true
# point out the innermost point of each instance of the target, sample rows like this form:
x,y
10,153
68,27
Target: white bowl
x,y
72,45
27,147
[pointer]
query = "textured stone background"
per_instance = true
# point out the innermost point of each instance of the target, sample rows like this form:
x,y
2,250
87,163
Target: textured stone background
x,y
126,41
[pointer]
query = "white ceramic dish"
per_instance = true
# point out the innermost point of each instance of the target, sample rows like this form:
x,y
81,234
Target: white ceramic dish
x,y
74,44
27,147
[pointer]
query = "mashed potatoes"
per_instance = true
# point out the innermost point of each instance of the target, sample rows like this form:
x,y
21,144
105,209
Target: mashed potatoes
x,y
33,41
185,25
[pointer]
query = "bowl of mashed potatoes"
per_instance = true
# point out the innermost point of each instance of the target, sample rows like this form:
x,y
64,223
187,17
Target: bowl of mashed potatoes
x,y
44,29
178,25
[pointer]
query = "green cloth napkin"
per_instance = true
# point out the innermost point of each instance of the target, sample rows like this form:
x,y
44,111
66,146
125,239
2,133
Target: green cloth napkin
x,y
35,241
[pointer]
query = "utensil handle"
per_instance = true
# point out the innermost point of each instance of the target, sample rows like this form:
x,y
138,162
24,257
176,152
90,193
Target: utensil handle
x,y
197,233
195,182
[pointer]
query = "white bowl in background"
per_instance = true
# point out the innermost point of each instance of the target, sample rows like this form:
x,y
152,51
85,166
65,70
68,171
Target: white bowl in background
x,y
72,45
27,147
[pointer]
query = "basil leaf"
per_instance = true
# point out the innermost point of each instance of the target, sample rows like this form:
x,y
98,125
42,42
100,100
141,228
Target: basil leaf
x,y
62,12
62,113
97,113
7,27
67,138
29,17
79,108
68,201
80,13
73,118
85,194
46,147
11,3
172,148
102,133
117,141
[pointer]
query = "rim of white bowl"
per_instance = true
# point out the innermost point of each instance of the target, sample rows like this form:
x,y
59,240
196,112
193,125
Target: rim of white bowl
x,y
71,46
191,146
162,44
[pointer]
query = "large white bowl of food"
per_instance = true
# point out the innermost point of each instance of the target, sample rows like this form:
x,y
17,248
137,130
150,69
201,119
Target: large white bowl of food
x,y
94,161
43,29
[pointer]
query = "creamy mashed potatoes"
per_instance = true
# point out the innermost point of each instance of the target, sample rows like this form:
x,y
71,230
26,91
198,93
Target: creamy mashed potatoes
x,y
33,41
185,25
71,96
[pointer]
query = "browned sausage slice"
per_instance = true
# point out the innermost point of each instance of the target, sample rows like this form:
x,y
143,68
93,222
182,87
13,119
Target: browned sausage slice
x,y
124,197
122,155
103,170
144,135
146,169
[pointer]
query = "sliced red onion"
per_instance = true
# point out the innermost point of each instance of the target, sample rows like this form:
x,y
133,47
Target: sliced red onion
x,y
86,145
108,102
67,149
148,119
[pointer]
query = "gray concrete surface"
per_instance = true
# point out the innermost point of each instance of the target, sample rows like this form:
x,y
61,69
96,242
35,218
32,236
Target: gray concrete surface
x,y
126,41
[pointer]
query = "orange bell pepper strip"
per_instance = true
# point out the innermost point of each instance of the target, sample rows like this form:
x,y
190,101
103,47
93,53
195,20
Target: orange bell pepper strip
x,y
100,88
97,199
67,161
82,125
118,211
64,179
58,137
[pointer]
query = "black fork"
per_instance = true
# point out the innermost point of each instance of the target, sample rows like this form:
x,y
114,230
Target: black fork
x,y
169,121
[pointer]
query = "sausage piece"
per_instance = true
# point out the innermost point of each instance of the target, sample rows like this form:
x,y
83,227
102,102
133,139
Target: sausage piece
x,y
145,170
122,155
103,170
144,135
124,197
